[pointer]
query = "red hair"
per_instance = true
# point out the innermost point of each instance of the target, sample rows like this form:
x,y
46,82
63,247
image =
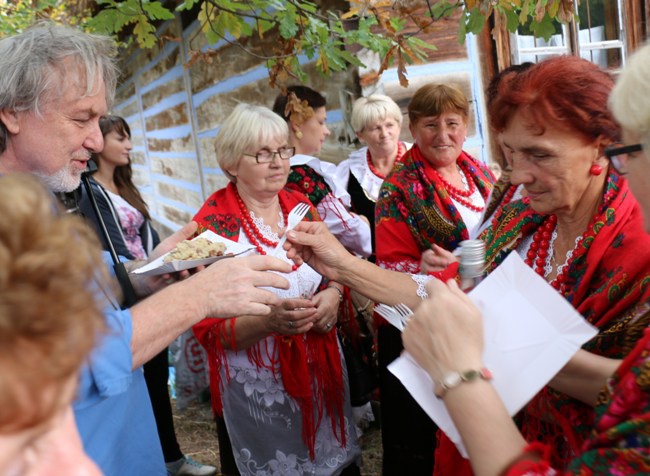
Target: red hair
x,y
565,91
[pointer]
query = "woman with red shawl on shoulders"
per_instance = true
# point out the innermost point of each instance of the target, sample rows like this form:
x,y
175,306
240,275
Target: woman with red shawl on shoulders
x,y
278,380
433,197
579,227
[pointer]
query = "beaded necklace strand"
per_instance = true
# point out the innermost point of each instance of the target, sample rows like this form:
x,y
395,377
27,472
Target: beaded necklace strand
x,y
461,196
251,230
400,153
540,253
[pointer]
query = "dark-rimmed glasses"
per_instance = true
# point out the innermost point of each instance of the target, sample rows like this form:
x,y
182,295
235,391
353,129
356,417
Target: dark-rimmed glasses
x,y
618,155
266,156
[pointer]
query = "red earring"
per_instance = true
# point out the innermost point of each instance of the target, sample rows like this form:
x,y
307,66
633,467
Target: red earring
x,y
596,169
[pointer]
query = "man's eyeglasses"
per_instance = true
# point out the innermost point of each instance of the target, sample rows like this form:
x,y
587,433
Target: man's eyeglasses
x,y
618,155
266,156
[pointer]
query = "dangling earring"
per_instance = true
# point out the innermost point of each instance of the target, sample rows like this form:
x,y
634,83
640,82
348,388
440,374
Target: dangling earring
x,y
596,169
298,134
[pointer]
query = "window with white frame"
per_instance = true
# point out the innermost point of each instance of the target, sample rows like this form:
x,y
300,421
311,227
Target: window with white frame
x,y
597,34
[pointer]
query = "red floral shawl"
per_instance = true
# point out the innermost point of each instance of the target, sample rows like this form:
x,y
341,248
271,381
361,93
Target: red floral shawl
x,y
414,211
620,440
611,284
309,365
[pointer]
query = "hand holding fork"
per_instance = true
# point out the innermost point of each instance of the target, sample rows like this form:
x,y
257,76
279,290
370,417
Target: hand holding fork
x,y
295,216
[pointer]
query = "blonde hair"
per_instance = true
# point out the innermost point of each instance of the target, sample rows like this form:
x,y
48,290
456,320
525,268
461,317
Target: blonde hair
x,y
630,98
374,108
49,319
246,129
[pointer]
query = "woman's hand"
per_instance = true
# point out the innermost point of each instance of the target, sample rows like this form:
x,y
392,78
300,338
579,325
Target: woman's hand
x,y
292,316
446,332
327,310
312,242
436,259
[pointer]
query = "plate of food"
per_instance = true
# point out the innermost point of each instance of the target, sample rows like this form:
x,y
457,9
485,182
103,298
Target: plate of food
x,y
202,250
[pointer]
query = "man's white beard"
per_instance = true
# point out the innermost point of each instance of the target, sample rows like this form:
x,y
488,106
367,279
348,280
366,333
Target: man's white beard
x,y
63,180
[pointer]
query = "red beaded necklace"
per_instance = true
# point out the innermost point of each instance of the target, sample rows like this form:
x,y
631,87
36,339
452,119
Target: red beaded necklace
x,y
401,149
461,196
251,231
254,235
540,251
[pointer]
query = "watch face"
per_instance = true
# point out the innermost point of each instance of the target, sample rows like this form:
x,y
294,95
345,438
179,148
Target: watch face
x,y
451,380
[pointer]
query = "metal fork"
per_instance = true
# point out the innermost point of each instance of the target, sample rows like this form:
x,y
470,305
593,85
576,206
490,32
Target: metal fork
x,y
295,216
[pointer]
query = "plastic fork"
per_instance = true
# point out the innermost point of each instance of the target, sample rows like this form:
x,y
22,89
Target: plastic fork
x,y
404,312
295,216
397,315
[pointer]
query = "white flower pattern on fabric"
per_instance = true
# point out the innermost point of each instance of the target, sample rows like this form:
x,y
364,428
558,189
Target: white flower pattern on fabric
x,y
284,465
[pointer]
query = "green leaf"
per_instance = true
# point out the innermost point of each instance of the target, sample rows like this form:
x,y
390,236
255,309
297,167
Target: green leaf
x,y
156,11
512,20
145,32
462,32
187,5
397,23
228,23
476,21
350,58
443,9
544,29
288,23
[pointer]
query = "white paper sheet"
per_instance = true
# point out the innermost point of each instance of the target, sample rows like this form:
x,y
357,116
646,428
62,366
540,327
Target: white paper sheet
x,y
531,332
158,266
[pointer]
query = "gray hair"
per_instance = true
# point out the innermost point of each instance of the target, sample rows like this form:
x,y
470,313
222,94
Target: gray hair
x,y
37,64
367,110
630,98
246,129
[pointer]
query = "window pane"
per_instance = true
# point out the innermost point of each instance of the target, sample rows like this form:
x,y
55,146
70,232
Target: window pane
x,y
599,32
529,48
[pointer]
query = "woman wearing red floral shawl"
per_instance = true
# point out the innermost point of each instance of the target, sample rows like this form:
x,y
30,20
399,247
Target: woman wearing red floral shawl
x,y
278,380
435,196
579,227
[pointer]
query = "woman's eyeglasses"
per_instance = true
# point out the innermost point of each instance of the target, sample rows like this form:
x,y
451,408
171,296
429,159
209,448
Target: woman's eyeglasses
x,y
266,156
618,155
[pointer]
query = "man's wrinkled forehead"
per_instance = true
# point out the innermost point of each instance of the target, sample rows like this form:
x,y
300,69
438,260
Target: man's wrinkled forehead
x,y
71,80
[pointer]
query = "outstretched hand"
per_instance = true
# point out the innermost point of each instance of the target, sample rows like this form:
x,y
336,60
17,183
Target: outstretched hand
x,y
312,242
233,287
446,332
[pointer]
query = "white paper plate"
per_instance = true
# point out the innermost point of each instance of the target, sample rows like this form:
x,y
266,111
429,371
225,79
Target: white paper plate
x,y
530,333
158,266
